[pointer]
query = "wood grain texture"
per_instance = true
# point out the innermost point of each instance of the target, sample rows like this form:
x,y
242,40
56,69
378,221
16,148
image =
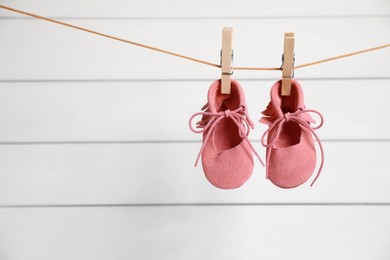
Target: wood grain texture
x,y
39,50
196,233
159,111
96,156
157,173
201,8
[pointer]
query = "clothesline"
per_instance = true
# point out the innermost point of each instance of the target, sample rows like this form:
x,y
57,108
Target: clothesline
x,y
188,57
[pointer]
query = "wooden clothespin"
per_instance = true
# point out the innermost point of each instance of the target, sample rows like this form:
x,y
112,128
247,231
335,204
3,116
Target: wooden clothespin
x,y
226,59
288,63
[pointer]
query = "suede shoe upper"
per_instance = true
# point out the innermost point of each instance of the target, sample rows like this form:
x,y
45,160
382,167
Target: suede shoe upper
x,y
226,152
291,156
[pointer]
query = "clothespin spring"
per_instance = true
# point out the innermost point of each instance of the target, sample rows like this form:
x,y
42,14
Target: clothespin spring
x,y
231,68
293,71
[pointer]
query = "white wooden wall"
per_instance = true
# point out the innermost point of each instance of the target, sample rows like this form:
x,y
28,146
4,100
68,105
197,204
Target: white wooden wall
x,y
96,158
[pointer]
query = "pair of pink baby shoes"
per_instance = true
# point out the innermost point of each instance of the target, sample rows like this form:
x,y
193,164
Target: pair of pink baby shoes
x,y
227,154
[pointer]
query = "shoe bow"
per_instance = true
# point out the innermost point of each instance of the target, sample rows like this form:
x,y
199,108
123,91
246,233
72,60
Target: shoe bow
x,y
239,116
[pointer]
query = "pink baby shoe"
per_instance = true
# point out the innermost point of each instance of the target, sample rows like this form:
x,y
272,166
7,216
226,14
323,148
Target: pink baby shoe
x,y
291,155
227,158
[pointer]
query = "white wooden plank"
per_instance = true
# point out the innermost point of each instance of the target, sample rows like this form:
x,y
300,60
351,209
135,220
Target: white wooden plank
x,y
246,233
164,173
159,111
39,50
201,8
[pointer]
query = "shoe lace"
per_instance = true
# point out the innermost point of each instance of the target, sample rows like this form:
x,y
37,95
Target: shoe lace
x,y
239,116
277,126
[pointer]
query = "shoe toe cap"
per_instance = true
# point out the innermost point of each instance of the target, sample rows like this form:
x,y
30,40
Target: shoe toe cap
x,y
228,169
292,166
